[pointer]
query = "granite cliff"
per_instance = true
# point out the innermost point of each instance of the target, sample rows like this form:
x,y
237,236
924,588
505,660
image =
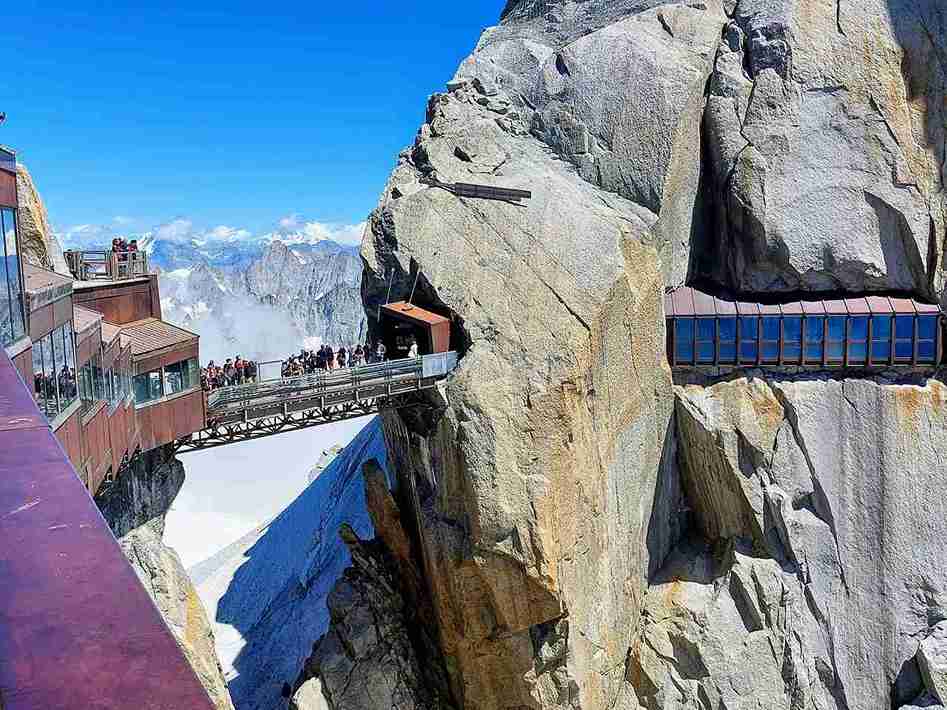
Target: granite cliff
x,y
590,535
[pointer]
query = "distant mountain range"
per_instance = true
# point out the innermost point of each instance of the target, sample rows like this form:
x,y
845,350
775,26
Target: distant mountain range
x,y
259,296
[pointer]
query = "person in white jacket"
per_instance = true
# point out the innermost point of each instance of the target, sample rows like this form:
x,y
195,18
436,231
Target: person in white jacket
x,y
413,350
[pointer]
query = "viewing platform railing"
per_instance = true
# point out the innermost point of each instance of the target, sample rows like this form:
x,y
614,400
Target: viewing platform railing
x,y
327,388
107,265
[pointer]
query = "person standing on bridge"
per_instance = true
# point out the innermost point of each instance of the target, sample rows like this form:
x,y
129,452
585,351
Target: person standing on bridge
x,y
358,357
342,356
413,350
380,351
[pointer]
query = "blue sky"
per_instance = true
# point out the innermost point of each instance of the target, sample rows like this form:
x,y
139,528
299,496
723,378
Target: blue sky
x,y
236,114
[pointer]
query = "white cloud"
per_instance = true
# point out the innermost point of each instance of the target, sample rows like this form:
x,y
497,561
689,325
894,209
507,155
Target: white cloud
x,y
226,234
177,230
123,221
295,228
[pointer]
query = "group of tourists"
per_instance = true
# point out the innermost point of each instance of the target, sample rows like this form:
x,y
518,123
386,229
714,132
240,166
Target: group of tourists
x,y
328,358
238,371
120,246
234,371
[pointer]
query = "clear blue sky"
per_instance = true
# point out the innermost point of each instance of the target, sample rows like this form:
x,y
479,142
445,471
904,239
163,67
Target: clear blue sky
x,y
227,113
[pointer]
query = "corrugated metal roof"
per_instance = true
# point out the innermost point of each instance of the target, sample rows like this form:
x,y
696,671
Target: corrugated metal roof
x,y
151,334
406,310
689,302
84,318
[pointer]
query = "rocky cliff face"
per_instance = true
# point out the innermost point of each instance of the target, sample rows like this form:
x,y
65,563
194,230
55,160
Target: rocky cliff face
x,y
589,536
39,245
135,507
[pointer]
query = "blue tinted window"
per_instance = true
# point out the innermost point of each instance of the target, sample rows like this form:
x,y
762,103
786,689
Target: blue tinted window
x,y
904,327
858,353
814,329
770,328
926,351
837,328
770,352
706,351
684,340
792,329
791,352
728,329
926,327
880,350
858,328
748,351
728,352
881,327
836,351
814,352
904,349
748,328
705,329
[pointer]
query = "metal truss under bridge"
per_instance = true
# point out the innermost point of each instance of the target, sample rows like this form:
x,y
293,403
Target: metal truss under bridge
x,y
246,412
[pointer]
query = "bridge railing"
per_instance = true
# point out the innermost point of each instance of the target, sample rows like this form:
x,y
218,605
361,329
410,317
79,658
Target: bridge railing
x,y
332,381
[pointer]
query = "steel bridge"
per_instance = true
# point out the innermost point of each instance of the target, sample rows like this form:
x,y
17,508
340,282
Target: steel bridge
x,y
252,411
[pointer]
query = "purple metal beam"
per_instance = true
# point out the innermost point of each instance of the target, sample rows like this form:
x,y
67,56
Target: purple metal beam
x,y
77,629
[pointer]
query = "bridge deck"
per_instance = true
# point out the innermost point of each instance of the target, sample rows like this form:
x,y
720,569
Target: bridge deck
x,y
245,412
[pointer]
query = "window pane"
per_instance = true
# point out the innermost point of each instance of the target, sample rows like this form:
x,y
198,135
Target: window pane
x,y
39,377
857,353
49,373
67,370
836,351
881,327
813,352
684,340
814,329
727,329
728,352
904,349
858,328
148,387
705,329
904,327
749,328
85,386
98,378
770,328
706,351
791,352
927,327
837,328
880,351
792,329
748,351
770,352
926,352
174,378
13,274
6,293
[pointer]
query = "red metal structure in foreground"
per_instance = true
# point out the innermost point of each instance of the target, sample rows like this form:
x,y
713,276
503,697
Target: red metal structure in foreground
x,y
77,629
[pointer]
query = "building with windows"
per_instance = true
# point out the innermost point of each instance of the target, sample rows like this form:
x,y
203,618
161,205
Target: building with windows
x,y
66,407
705,332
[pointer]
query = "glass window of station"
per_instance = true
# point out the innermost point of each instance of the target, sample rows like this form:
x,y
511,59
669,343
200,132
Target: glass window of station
x,y
54,371
169,380
12,319
811,340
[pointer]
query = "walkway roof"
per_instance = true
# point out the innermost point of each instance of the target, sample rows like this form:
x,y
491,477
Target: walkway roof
x,y
84,318
689,302
416,313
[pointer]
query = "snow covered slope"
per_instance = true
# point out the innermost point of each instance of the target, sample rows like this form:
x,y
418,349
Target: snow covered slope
x,y
267,592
